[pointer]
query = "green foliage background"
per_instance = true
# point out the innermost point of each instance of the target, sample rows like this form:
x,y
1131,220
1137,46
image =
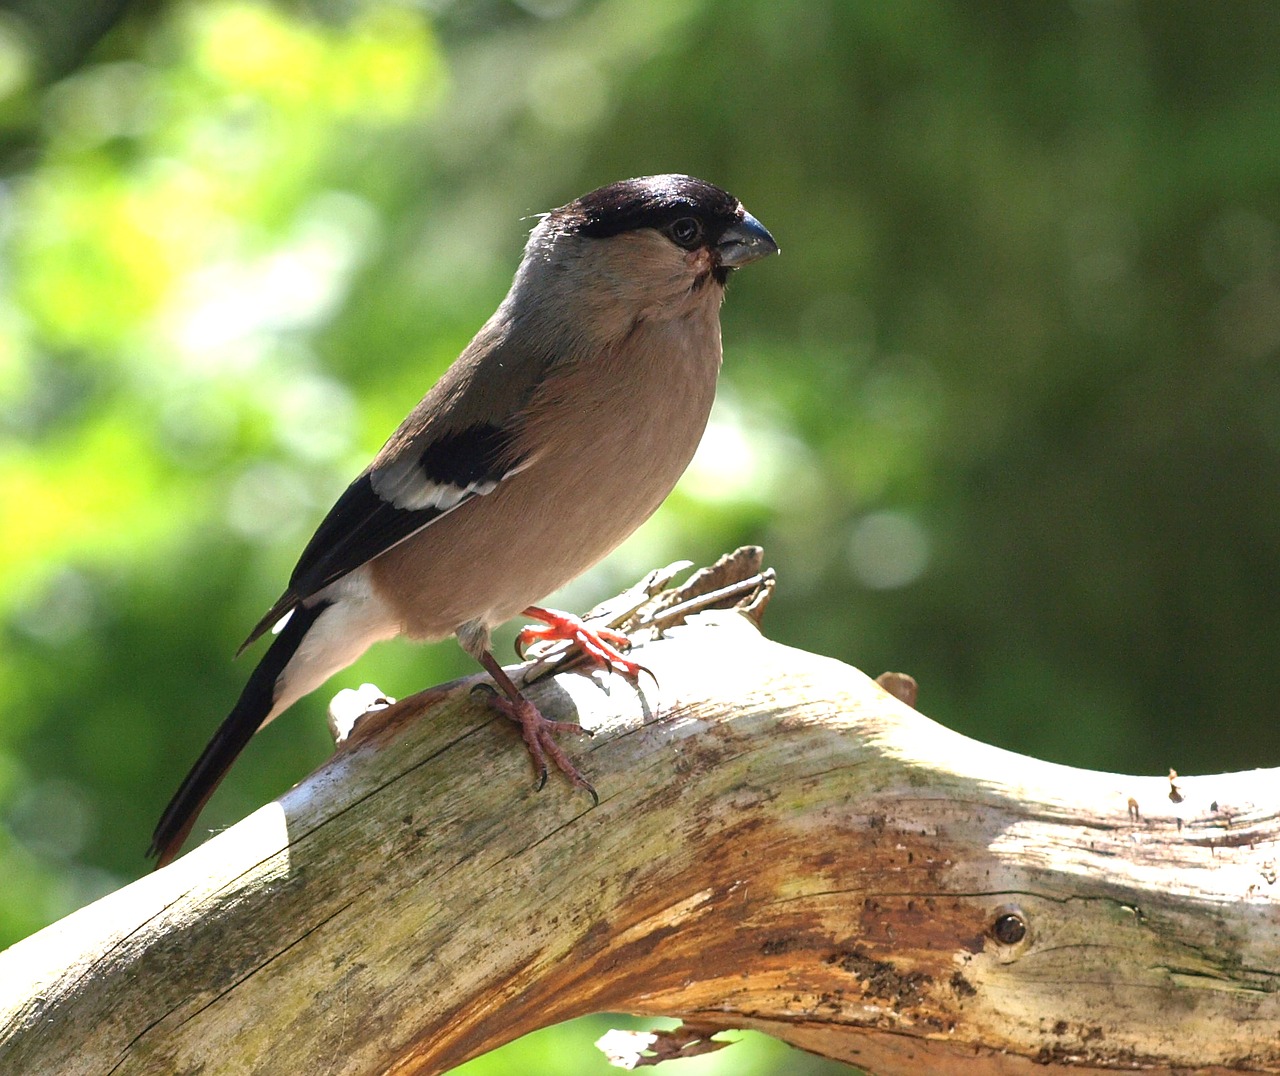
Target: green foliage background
x,y
1005,414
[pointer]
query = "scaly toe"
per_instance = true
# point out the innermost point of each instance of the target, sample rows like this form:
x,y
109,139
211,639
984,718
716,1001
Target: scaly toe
x,y
599,644
539,737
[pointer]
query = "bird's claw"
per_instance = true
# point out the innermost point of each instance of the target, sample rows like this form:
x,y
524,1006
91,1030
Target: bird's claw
x,y
600,644
539,737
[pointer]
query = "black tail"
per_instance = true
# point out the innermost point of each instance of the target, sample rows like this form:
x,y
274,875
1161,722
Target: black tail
x,y
233,734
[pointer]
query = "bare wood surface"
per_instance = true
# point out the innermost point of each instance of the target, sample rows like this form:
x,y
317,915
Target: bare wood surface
x,y
780,844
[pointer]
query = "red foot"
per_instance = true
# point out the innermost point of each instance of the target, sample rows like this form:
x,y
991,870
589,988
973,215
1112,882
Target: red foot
x,y
538,733
600,645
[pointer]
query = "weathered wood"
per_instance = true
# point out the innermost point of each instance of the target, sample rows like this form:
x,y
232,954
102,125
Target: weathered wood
x,y
780,844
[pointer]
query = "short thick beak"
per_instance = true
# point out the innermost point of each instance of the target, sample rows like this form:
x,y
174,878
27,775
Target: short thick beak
x,y
746,241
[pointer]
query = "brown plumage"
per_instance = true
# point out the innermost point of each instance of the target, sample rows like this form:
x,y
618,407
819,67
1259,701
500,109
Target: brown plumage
x,y
559,429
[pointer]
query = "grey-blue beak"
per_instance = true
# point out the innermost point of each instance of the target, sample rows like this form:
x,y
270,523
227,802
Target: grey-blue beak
x,y
746,241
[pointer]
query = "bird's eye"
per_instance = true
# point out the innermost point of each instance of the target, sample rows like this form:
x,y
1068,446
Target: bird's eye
x,y
686,232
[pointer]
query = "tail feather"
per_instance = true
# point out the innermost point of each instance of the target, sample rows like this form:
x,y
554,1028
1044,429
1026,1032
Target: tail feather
x,y
288,600
248,715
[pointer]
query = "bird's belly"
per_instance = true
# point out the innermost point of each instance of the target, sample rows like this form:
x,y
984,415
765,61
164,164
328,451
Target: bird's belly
x,y
540,529
539,539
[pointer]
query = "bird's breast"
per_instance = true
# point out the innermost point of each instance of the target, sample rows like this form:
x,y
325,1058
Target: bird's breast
x,y
610,435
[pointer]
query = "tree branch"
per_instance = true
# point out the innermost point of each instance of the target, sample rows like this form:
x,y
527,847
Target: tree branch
x,y
780,844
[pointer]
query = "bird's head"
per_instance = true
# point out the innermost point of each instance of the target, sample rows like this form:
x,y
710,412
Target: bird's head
x,y
653,246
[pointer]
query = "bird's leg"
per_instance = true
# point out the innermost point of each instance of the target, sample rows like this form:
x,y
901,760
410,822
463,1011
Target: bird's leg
x,y
600,645
538,731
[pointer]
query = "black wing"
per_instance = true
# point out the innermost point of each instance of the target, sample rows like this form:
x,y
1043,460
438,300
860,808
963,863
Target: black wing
x,y
390,503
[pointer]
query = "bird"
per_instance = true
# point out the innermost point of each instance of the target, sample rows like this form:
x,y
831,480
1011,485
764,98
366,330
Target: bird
x,y
558,430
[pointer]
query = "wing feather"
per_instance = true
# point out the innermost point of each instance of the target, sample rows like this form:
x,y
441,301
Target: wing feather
x,y
387,505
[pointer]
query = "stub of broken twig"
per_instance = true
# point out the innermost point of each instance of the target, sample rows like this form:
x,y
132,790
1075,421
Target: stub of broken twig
x,y
626,1049
738,580
901,686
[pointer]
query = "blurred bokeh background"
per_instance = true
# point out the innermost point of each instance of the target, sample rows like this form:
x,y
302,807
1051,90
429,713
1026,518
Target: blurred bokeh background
x,y
1005,414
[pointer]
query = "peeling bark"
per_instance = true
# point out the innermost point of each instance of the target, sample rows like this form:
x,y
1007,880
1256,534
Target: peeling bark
x,y
781,844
